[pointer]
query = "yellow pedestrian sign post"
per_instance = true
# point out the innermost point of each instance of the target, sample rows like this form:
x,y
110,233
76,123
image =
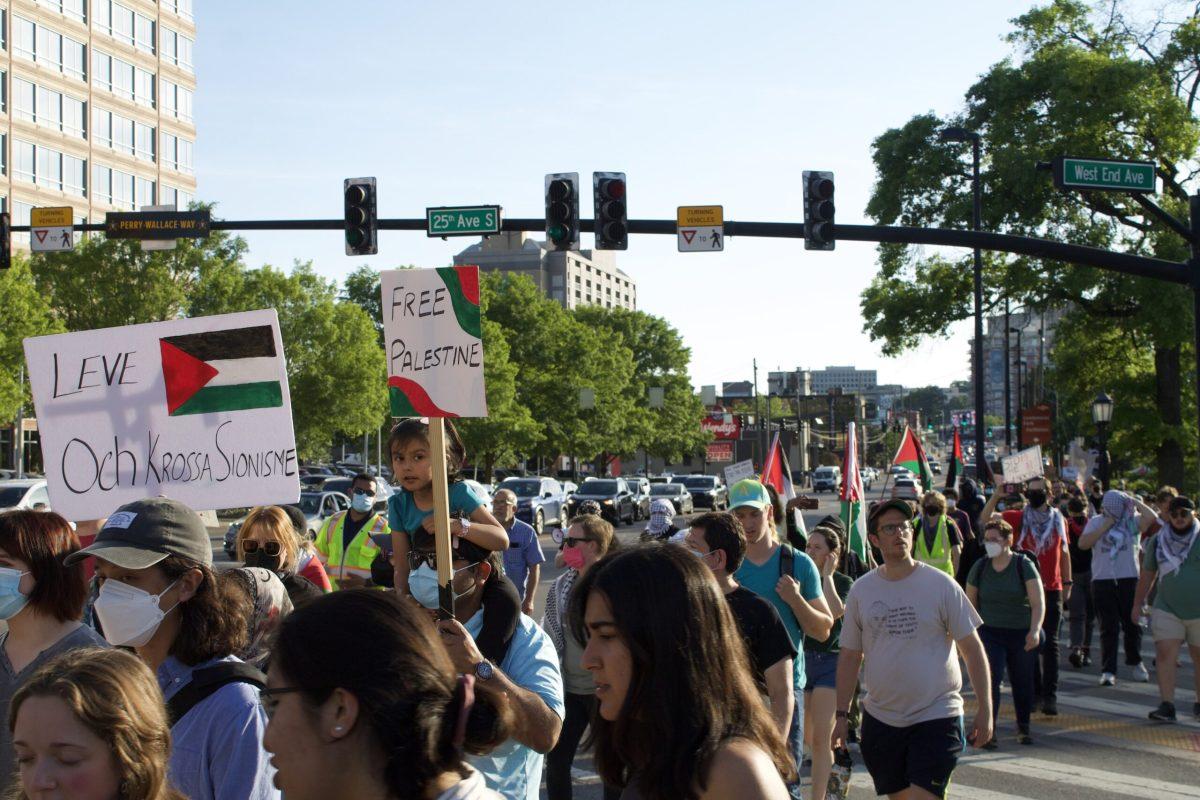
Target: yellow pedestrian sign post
x,y
50,229
700,229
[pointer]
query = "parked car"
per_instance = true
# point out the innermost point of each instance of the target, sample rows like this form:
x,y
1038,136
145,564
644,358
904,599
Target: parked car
x,y
539,500
677,493
707,491
481,490
866,479
24,493
898,471
317,507
906,489
617,502
935,466
666,477
313,481
641,492
827,479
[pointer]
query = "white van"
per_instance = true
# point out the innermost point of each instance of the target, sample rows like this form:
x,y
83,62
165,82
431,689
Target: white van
x,y
827,479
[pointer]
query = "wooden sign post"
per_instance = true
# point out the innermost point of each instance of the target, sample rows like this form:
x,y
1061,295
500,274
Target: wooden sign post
x,y
441,519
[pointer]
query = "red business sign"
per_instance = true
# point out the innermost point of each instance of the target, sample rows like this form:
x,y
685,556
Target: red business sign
x,y
720,451
1036,425
721,429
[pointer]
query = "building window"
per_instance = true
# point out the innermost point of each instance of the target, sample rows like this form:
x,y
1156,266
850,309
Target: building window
x,y
168,196
143,33
74,175
74,117
182,8
74,58
144,87
49,48
49,168
102,126
102,70
25,38
177,49
23,103
144,192
144,142
101,183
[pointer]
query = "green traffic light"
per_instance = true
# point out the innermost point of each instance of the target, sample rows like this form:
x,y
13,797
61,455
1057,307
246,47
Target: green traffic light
x,y
356,237
557,232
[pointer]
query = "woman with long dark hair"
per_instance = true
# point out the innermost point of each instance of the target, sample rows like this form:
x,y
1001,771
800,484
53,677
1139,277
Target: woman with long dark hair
x,y
364,701
678,714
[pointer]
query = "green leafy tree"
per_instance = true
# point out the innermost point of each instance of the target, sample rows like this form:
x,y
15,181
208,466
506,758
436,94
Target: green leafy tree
x,y
929,400
24,312
1082,80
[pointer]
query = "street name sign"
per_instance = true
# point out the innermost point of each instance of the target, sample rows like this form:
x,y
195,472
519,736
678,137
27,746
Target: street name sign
x,y
1104,173
157,224
50,230
700,229
462,220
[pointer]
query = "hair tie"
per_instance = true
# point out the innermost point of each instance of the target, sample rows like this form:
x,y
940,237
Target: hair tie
x,y
467,684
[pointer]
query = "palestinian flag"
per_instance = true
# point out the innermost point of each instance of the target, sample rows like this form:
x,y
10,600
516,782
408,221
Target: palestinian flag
x,y
229,370
911,456
408,397
777,473
956,463
854,511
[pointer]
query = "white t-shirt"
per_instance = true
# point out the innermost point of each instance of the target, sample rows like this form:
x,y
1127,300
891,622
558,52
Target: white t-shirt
x,y
907,630
1106,566
471,787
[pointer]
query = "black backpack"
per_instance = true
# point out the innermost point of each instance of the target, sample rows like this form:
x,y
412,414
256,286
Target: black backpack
x,y
206,681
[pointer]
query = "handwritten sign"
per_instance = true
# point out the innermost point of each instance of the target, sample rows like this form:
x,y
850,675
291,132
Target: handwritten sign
x,y
739,471
1023,465
431,323
193,409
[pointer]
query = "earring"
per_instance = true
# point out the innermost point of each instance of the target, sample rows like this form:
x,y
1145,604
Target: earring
x,y
338,729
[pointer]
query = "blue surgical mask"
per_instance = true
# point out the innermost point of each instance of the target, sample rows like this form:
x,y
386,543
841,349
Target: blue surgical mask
x,y
11,599
423,585
362,503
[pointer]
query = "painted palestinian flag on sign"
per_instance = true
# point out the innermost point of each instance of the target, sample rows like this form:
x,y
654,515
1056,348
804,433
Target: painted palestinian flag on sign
x,y
216,371
911,456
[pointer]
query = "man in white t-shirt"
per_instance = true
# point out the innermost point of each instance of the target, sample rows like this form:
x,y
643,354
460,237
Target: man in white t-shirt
x,y
908,619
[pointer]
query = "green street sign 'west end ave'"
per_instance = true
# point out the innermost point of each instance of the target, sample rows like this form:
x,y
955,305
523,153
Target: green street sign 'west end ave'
x,y
462,221
1103,173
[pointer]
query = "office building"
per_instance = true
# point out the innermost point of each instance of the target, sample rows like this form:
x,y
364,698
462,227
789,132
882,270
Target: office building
x,y
790,384
99,98
1030,343
848,379
571,277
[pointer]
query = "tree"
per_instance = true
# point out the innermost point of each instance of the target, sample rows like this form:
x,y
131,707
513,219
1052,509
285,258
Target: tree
x,y
24,312
1081,81
929,400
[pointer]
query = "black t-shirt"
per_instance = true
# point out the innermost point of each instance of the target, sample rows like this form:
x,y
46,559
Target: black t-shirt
x,y
350,529
766,639
952,532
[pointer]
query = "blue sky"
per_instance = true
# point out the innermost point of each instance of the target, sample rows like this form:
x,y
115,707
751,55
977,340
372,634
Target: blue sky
x,y
699,102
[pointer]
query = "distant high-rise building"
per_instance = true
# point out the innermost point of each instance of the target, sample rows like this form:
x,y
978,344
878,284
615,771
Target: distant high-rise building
x,y
100,101
1036,342
571,277
790,384
848,379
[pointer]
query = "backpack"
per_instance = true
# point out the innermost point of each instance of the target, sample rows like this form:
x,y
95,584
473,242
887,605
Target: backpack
x,y
207,681
787,560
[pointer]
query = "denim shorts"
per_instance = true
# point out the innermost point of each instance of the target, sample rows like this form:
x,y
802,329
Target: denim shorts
x,y
820,669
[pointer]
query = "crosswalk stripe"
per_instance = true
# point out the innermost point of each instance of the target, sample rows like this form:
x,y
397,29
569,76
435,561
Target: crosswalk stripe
x,y
861,780
1079,777
1119,707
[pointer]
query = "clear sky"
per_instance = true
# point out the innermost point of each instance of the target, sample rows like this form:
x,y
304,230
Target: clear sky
x,y
699,102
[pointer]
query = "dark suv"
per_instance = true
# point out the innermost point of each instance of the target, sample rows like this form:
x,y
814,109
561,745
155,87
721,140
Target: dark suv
x,y
617,503
707,491
539,500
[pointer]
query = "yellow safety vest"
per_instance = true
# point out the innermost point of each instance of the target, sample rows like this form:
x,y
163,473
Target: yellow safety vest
x,y
356,559
941,557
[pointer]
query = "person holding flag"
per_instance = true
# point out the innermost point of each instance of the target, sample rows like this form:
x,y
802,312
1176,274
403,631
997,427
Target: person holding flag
x,y
911,456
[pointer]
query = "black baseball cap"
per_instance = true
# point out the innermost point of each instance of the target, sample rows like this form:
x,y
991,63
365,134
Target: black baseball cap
x,y
1180,502
906,507
423,540
142,533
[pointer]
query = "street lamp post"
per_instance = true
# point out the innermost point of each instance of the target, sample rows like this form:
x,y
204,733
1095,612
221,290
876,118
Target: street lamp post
x,y
959,134
1007,383
1020,396
1102,409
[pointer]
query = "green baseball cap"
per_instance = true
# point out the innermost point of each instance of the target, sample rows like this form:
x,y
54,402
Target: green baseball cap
x,y
749,493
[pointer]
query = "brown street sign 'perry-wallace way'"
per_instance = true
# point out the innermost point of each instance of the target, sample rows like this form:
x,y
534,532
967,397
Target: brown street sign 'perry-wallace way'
x,y
156,224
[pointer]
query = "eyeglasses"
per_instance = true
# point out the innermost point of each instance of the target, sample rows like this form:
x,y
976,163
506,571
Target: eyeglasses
x,y
1181,513
573,541
270,548
269,698
367,492
418,557
893,529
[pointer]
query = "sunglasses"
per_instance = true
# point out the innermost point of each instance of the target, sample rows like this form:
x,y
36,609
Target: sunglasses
x,y
367,492
270,548
573,541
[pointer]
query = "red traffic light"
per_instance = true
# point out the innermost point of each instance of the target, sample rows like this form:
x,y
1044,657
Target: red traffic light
x,y
613,189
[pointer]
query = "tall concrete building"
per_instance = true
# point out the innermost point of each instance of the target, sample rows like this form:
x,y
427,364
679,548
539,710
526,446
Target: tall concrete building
x,y
848,379
1035,342
98,101
571,277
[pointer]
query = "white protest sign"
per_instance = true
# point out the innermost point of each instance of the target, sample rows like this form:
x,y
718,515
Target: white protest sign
x,y
1023,465
431,323
197,410
738,472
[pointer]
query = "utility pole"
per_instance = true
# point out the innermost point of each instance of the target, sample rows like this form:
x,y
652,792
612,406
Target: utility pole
x,y
1007,383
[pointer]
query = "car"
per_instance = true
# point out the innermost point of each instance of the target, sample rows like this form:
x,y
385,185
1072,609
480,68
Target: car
x,y
540,501
899,471
935,466
617,502
666,477
641,490
316,506
827,479
677,493
905,489
24,493
707,491
481,490
383,490
865,475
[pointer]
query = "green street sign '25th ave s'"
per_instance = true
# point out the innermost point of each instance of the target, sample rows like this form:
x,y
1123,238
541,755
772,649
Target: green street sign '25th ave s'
x,y
462,221
1103,173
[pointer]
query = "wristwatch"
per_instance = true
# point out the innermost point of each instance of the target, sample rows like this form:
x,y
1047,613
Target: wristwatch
x,y
484,670
464,525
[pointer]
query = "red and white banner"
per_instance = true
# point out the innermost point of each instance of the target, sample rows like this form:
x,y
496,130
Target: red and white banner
x,y
718,427
720,451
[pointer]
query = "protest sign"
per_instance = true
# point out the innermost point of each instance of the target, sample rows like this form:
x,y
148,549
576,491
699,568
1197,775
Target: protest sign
x,y
431,324
1023,465
197,410
739,471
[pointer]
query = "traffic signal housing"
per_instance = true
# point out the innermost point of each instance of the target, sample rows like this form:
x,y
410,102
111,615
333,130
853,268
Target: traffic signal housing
x,y
5,241
562,210
362,236
818,210
611,213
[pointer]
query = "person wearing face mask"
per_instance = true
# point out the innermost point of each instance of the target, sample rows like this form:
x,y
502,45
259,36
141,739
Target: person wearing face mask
x,y
308,563
972,549
937,540
41,600
1007,591
160,596
587,539
1081,609
1172,559
346,542
527,672
267,540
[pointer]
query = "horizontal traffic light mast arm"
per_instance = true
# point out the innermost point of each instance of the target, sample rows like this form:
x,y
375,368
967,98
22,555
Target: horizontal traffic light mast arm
x,y
1141,266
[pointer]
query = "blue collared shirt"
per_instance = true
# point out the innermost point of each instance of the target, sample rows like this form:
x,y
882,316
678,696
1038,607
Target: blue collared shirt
x,y
216,749
523,552
513,769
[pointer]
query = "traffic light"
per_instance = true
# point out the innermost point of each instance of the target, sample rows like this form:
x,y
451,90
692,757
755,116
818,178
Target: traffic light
x,y
611,217
818,210
562,210
5,242
989,432
361,232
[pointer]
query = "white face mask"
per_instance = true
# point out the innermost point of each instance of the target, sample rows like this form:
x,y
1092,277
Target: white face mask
x,y
994,549
129,615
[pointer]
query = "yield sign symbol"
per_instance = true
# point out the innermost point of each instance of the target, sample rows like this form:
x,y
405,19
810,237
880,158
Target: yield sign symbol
x,y
688,236
42,235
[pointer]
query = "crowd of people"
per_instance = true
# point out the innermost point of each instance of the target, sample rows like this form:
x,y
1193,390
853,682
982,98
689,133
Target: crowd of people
x,y
720,660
